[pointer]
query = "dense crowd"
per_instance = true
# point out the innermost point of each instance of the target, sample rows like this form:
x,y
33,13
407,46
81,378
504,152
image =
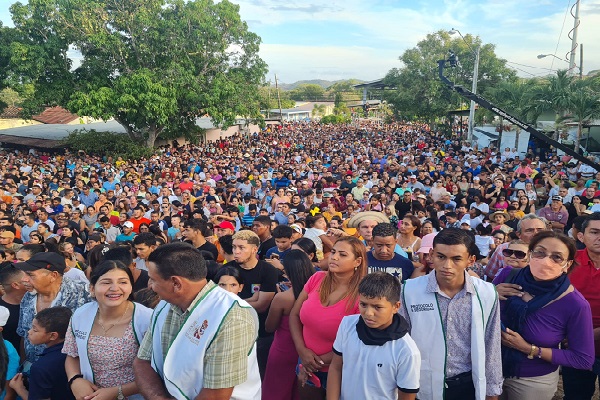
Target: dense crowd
x,y
305,261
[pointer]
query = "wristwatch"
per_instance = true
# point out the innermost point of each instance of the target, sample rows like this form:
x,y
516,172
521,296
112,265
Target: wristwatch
x,y
533,352
120,393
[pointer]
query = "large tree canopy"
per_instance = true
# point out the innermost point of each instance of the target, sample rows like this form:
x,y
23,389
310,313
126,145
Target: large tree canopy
x,y
421,94
153,65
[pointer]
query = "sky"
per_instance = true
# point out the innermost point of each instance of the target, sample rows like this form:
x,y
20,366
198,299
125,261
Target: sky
x,y
344,39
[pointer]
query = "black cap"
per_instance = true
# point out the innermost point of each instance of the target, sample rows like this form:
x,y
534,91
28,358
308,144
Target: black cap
x,y
47,261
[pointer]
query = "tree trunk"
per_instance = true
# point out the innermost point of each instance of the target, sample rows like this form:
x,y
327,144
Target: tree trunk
x,y
578,136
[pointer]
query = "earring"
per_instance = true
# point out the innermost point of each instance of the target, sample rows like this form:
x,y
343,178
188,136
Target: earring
x,y
355,268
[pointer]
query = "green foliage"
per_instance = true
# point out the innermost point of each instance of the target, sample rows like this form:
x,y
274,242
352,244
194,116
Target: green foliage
x,y
106,144
336,119
519,98
268,98
153,65
318,110
10,97
421,95
307,92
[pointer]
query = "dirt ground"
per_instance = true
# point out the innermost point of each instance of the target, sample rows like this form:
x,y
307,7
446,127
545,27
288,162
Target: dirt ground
x,y
559,393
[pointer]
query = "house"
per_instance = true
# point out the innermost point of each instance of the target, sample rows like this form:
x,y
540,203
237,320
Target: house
x,y
302,111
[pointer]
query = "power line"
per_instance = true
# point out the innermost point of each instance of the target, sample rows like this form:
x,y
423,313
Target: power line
x,y
561,31
530,66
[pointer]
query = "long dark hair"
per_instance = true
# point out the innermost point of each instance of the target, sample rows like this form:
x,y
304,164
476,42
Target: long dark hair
x,y
107,266
308,246
298,269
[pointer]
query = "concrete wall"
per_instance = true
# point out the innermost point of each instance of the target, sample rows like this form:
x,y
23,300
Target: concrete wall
x,y
7,123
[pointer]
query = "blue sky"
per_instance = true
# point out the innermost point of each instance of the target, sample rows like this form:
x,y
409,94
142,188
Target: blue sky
x,y
341,39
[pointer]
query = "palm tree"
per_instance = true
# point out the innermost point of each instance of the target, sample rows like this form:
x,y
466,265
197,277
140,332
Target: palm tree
x,y
555,95
517,98
583,105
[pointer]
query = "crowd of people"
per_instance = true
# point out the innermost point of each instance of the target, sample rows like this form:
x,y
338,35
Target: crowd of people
x,y
306,261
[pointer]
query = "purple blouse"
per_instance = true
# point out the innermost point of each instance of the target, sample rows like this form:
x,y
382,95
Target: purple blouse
x,y
569,317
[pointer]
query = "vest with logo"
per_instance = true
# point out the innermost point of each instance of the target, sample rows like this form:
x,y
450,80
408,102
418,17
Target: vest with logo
x,y
182,369
428,333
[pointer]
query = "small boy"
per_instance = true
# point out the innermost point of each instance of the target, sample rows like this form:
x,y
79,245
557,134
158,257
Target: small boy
x,y
390,360
283,242
47,376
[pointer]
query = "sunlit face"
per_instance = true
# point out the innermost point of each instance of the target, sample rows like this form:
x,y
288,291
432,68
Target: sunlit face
x,y
450,262
427,228
517,255
549,259
365,229
383,247
244,252
342,259
113,288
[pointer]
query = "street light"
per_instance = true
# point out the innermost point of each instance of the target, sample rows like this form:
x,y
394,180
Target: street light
x,y
474,87
540,56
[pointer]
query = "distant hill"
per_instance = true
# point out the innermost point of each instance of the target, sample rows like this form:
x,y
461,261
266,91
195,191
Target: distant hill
x,y
321,82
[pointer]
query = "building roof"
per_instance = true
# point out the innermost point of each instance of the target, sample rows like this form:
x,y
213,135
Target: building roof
x,y
30,142
10,112
376,84
55,115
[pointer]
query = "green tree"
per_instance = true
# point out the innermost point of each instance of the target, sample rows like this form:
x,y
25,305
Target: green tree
x,y
421,94
155,66
583,104
318,110
307,92
554,96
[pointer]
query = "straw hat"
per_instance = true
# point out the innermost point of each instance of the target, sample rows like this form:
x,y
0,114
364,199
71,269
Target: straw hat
x,y
376,216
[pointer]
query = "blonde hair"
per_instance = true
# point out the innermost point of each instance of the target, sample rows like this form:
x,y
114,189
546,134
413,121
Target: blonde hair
x,y
247,235
327,286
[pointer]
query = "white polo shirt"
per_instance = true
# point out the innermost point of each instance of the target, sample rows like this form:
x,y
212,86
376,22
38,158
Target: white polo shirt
x,y
382,370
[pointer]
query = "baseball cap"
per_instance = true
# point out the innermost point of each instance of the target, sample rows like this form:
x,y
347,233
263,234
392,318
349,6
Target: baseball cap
x,y
557,198
128,224
413,177
95,237
226,225
47,261
7,234
4,314
297,228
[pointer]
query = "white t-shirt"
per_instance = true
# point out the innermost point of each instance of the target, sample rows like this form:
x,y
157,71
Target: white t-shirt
x,y
77,275
382,370
484,244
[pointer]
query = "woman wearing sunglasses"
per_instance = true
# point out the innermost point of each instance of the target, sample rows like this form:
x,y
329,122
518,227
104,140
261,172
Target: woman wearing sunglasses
x,y
543,311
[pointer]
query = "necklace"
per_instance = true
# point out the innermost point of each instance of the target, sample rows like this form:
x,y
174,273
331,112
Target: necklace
x,y
113,325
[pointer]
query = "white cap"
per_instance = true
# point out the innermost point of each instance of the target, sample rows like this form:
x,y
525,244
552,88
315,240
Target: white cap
x,y
128,224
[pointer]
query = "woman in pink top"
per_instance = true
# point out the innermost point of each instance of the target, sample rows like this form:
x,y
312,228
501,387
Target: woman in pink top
x,y
326,299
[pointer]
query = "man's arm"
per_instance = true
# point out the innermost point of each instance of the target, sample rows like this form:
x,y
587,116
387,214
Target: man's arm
x,y
262,302
149,382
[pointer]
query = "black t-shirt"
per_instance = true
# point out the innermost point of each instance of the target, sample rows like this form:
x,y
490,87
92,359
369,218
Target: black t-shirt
x,y
262,278
211,248
10,329
402,208
142,281
298,209
264,247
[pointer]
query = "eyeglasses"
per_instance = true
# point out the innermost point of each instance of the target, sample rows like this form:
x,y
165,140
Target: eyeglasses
x,y
540,254
518,254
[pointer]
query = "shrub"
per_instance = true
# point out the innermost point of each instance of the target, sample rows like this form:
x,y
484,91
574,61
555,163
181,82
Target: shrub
x,y
106,144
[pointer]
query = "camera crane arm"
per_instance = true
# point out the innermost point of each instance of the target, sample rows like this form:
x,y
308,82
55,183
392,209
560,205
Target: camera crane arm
x,y
500,112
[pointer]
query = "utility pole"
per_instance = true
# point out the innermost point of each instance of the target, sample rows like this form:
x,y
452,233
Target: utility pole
x,y
474,90
581,61
279,101
574,39
269,100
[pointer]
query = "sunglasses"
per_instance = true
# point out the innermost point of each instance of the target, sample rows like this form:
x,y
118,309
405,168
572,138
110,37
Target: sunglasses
x,y
540,254
518,254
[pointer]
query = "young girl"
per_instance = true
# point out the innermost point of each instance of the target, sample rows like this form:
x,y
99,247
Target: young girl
x,y
280,381
484,240
229,278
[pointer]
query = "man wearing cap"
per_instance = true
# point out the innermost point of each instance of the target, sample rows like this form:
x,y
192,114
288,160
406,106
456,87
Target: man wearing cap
x,y
128,234
413,184
44,273
7,241
224,228
556,214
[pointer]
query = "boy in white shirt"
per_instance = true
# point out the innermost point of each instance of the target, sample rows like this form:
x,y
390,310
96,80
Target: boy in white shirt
x,y
383,360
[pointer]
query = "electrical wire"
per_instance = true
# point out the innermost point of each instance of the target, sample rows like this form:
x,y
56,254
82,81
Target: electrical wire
x,y
561,30
530,66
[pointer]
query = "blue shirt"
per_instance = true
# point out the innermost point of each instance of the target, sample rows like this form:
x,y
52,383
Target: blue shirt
x,y
274,250
47,376
13,364
71,295
125,238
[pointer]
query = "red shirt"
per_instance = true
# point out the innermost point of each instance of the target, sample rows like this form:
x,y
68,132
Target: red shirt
x,y
585,277
137,222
